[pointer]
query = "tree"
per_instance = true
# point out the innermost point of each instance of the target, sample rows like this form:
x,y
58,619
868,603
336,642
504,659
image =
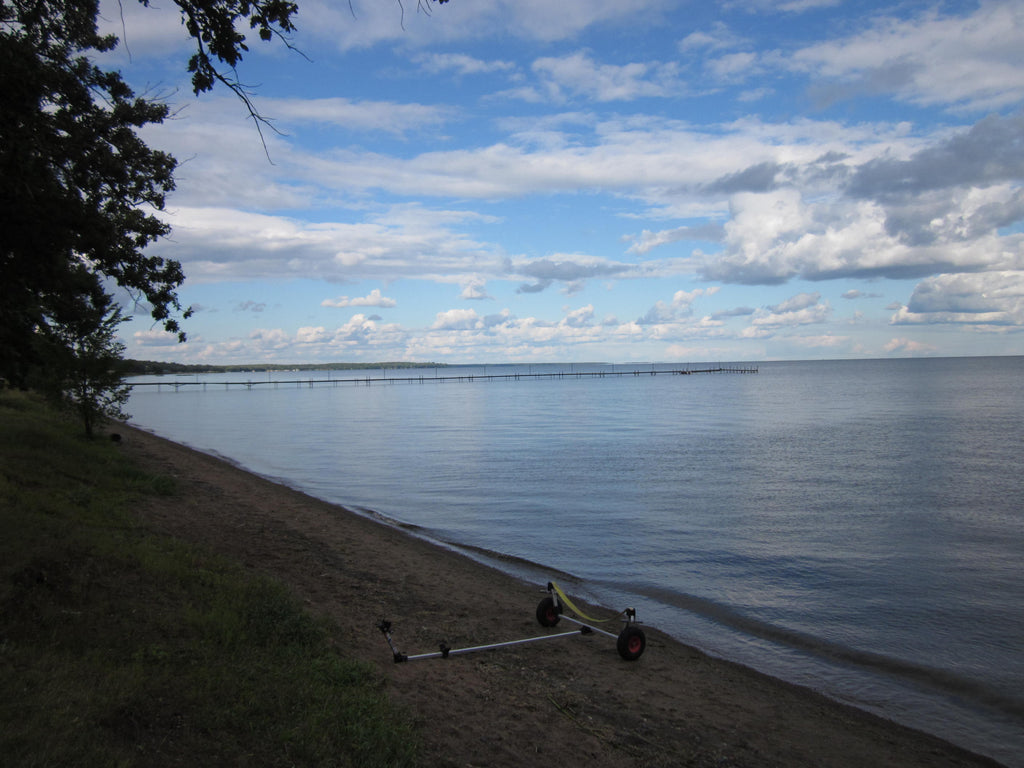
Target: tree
x,y
82,360
78,187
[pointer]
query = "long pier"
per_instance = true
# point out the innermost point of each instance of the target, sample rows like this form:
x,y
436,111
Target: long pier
x,y
420,379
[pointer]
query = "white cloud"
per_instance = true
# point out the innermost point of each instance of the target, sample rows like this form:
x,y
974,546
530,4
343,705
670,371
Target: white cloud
x,y
359,333
578,318
461,64
866,200
456,319
648,240
274,338
474,289
374,299
155,338
153,31
972,61
909,346
489,196
818,342
369,23
719,37
982,299
773,6
678,309
567,267
985,154
384,116
734,67
578,75
802,309
778,236
797,302
311,335
755,94
220,244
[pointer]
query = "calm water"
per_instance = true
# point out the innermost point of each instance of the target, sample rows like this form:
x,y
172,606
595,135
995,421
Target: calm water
x,y
853,526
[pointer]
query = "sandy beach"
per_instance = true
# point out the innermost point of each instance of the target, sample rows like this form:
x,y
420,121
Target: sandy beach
x,y
564,702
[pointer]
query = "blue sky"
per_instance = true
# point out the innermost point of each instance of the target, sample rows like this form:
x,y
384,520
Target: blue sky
x,y
597,180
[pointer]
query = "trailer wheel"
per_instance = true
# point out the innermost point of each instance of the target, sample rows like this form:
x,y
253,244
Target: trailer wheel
x,y
631,642
548,613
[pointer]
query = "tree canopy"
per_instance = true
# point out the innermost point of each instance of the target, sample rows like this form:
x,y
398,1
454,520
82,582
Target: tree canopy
x,y
78,188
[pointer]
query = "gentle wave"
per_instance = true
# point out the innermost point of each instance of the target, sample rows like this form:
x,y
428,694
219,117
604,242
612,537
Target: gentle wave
x,y
943,681
860,522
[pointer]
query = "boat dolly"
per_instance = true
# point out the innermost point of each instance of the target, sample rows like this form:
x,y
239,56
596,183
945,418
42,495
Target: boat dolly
x,y
630,641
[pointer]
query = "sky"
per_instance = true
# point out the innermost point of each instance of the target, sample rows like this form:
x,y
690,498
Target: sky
x,y
595,180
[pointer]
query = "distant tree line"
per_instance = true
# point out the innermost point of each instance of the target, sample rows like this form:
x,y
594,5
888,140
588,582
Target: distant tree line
x,y
154,368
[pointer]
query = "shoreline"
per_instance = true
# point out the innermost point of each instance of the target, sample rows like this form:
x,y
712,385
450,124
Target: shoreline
x,y
508,707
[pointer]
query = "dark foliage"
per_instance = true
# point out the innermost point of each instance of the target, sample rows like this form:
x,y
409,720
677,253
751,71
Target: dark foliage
x,y
78,187
77,184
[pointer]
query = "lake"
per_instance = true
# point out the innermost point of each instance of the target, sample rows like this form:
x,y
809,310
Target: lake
x,y
856,526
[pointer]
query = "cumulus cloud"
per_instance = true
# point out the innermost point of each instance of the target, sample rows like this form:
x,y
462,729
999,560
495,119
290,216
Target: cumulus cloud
x,y
756,178
539,287
578,318
970,61
529,19
359,331
817,342
461,64
796,303
734,67
578,75
940,209
374,299
310,335
734,312
718,37
983,299
802,309
156,30
474,289
773,6
989,152
805,198
680,307
383,116
909,346
155,338
572,270
456,319
217,244
647,240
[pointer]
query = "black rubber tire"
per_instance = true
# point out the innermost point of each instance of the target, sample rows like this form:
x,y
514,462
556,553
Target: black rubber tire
x,y
548,613
631,642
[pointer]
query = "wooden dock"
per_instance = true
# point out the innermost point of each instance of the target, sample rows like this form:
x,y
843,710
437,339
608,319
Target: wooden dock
x,y
384,378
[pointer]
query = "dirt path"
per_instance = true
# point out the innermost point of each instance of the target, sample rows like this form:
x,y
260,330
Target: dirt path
x,y
566,702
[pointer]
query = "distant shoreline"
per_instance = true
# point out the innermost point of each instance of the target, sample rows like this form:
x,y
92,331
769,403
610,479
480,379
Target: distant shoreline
x,y
157,368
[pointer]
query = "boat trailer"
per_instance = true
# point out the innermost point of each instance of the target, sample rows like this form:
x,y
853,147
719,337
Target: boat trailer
x,y
630,641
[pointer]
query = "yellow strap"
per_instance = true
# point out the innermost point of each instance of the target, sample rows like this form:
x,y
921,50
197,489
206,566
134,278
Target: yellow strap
x,y
572,607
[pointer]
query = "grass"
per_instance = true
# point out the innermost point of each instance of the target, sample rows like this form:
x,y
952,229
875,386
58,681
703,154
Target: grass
x,y
122,648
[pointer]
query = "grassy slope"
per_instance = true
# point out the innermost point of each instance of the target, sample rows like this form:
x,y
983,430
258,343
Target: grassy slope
x,y
118,647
